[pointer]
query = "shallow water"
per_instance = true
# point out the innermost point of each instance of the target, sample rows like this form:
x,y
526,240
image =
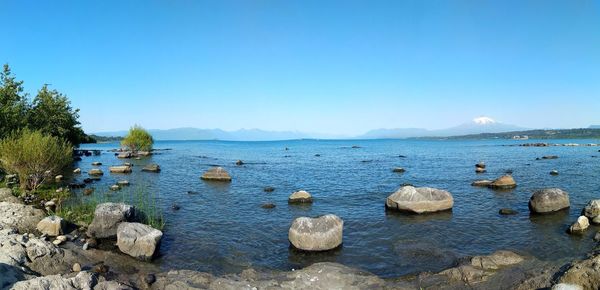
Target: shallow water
x,y
223,229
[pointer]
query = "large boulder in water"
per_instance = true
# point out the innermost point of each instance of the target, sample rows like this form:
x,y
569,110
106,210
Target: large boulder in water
x,y
548,200
420,200
503,182
216,174
22,217
107,218
316,234
592,211
138,240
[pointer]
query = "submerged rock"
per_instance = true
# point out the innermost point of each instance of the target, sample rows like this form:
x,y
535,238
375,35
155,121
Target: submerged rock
x,y
550,157
107,218
316,234
300,197
269,189
481,183
507,211
216,174
503,182
399,170
268,205
52,226
420,199
548,200
138,240
151,168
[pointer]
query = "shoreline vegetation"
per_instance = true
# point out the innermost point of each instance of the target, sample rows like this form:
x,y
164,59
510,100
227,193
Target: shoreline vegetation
x,y
52,239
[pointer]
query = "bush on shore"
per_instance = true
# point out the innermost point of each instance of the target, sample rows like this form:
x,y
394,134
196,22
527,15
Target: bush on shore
x,y
138,139
34,156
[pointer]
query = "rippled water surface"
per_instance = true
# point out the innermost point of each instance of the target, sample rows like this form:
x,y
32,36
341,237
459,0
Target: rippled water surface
x,y
223,229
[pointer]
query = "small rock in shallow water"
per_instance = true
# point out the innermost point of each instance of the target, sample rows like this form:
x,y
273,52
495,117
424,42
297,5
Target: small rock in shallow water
x,y
481,183
269,189
554,172
268,205
175,207
114,187
507,211
580,225
239,163
399,170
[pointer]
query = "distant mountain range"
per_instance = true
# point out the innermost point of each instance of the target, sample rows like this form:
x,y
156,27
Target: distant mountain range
x,y
480,125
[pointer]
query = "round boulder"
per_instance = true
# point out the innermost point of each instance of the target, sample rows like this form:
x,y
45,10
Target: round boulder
x,y
300,197
316,234
548,200
420,200
216,174
503,182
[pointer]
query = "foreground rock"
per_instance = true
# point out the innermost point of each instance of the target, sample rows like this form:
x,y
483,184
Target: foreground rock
x,y
585,273
138,240
52,226
548,200
592,211
24,218
316,234
216,174
107,218
6,194
300,197
420,200
83,280
120,169
504,182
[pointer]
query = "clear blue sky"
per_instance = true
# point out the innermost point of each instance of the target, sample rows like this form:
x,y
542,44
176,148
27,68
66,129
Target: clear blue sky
x,y
340,67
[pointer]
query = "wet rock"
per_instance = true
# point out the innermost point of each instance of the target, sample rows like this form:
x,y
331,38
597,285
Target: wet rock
x,y
503,182
548,200
481,164
77,171
420,200
22,217
120,169
597,237
96,163
316,234
300,197
269,189
480,170
585,273
239,163
88,180
554,172
149,279
101,269
580,225
507,211
216,174
399,170
138,240
95,172
481,183
151,168
107,218
268,205
51,226
592,211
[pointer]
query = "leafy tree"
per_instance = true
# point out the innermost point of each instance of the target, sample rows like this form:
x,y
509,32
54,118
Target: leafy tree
x,y
13,103
51,113
34,156
138,139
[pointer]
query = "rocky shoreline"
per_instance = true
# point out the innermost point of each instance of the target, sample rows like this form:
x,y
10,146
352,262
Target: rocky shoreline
x,y
29,260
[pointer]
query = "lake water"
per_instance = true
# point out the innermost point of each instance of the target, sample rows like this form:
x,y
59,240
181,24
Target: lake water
x,y
223,229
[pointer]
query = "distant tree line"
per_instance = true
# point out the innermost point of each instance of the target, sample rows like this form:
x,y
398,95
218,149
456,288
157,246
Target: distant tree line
x,y
50,111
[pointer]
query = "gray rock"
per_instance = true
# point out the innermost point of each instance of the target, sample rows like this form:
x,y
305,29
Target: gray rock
x,y
592,211
22,217
83,280
216,174
316,234
564,286
548,200
300,197
138,240
6,194
420,200
120,169
51,226
107,217
580,225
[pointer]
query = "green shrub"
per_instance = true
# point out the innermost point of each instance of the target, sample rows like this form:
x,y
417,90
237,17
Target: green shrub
x,y
34,157
138,139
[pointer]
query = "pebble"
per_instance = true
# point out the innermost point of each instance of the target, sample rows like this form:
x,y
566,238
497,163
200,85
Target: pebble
x,y
76,267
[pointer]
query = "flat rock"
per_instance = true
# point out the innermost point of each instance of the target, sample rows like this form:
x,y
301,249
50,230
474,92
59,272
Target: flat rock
x,y
151,168
138,240
120,169
24,218
83,280
316,234
52,226
107,218
481,183
420,199
548,200
216,174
